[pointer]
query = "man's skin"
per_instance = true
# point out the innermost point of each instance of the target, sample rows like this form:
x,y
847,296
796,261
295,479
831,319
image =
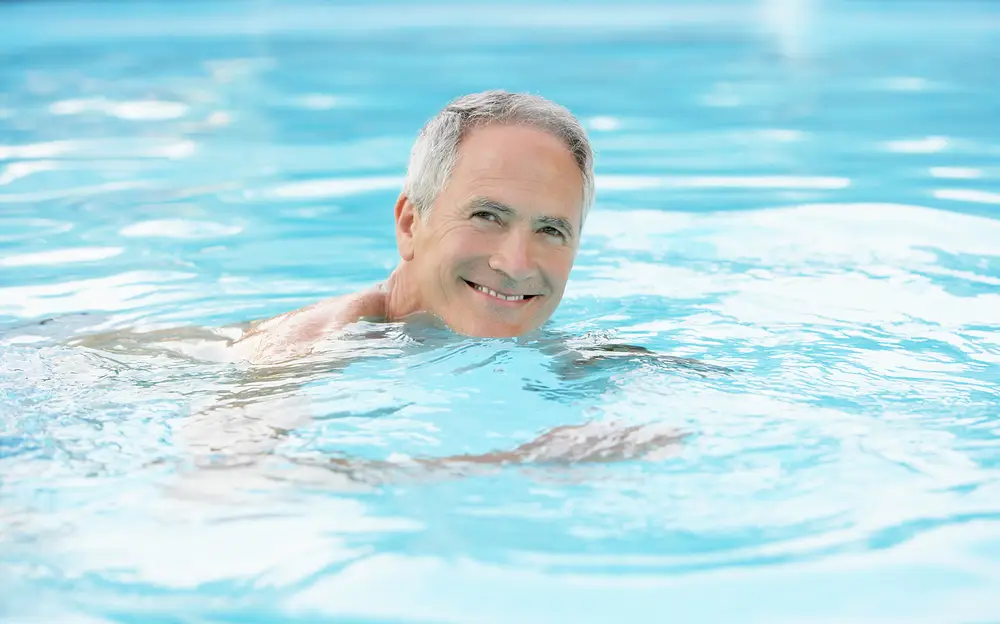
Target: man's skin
x,y
509,219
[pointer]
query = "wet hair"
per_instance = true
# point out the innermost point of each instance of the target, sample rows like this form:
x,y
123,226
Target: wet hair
x,y
435,151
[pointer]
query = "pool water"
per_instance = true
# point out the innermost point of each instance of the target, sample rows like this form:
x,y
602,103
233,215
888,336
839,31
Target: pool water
x,y
798,214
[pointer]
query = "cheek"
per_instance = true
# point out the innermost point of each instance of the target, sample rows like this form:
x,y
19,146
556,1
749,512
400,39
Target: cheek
x,y
559,264
452,253
462,246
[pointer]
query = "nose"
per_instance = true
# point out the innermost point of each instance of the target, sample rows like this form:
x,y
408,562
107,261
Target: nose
x,y
514,257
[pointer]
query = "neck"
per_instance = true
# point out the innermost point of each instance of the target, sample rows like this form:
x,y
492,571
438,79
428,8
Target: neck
x,y
401,296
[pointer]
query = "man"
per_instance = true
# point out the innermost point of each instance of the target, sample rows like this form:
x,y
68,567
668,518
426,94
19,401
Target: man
x,y
487,227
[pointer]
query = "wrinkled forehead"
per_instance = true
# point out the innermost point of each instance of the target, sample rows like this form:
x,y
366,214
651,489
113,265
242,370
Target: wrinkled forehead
x,y
520,166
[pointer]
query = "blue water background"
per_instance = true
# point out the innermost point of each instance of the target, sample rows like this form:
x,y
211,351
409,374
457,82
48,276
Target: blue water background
x,y
805,193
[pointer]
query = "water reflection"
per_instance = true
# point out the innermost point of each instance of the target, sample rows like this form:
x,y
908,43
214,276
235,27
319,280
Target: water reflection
x,y
968,195
238,419
773,375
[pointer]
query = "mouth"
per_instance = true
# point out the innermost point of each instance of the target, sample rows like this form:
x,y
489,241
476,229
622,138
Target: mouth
x,y
500,297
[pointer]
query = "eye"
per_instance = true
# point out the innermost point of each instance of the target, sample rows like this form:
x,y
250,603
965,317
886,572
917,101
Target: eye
x,y
551,231
486,216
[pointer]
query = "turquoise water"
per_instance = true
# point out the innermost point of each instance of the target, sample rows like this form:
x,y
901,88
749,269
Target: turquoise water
x,y
803,197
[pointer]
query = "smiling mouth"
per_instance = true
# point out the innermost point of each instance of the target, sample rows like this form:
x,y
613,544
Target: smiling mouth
x,y
499,296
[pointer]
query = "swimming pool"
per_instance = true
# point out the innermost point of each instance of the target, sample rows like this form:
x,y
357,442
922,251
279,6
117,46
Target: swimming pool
x,y
803,199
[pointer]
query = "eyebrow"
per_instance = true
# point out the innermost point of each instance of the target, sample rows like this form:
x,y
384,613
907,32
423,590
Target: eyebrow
x,y
479,203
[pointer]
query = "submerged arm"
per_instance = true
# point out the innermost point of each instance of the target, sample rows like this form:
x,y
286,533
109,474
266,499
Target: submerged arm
x,y
568,445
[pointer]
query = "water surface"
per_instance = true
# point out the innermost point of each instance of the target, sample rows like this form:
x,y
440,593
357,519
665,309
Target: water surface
x,y
807,201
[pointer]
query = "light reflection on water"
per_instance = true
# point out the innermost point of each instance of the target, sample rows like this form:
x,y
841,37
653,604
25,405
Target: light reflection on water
x,y
795,235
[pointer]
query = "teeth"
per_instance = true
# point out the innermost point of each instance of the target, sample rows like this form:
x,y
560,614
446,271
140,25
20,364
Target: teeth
x,y
494,293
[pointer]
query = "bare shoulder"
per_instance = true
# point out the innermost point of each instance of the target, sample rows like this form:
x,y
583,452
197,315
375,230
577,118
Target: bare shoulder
x,y
295,332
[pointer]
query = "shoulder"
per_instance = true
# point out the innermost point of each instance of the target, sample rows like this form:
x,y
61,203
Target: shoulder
x,y
294,333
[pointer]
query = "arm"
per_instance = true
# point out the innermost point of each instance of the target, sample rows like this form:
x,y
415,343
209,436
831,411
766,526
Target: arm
x,y
569,445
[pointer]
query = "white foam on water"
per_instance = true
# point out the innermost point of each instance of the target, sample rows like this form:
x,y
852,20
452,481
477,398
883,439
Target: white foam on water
x,y
956,173
928,145
199,547
646,182
135,110
319,101
79,191
61,256
816,264
968,195
179,228
336,187
604,123
123,291
909,84
17,170
579,593
38,150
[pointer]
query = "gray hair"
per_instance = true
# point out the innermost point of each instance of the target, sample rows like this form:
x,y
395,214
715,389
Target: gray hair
x,y
435,151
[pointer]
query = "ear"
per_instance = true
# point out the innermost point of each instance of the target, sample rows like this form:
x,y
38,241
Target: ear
x,y
407,223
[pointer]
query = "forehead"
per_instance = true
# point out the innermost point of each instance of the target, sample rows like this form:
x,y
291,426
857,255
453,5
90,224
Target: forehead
x,y
521,166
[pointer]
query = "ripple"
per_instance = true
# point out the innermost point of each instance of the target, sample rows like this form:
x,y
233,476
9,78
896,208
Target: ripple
x,y
956,173
968,195
310,542
604,123
644,182
148,110
319,101
104,148
179,228
173,151
858,233
851,452
781,135
18,170
910,84
12,230
114,293
635,279
80,191
873,264
61,256
853,298
319,19
574,595
928,145
319,189
38,150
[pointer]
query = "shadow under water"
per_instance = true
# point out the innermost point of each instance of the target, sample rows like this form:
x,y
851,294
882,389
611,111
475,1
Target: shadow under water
x,y
240,413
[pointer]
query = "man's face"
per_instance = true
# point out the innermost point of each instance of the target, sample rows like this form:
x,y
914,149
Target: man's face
x,y
492,257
